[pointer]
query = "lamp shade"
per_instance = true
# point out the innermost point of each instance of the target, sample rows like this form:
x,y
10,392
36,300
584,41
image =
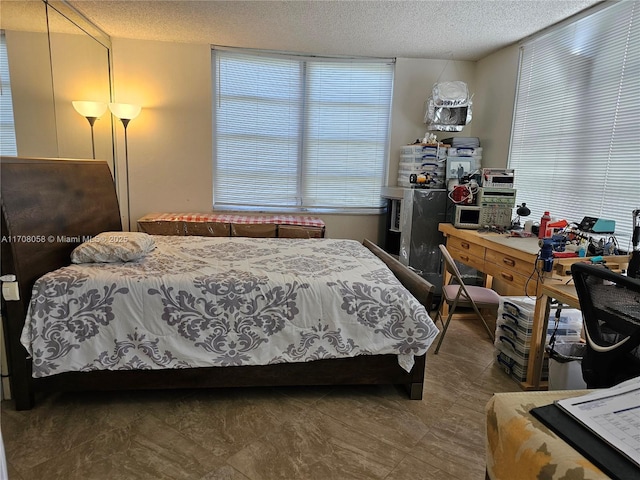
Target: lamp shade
x,y
90,109
125,111
523,210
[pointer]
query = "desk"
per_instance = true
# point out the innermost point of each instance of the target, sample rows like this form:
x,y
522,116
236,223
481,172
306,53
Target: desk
x,y
519,446
509,261
509,264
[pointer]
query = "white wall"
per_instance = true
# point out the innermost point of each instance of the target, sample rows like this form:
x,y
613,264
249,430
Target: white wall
x,y
170,143
496,81
170,149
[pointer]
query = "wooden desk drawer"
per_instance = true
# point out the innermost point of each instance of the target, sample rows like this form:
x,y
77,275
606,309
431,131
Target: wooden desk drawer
x,y
507,262
467,258
465,246
514,281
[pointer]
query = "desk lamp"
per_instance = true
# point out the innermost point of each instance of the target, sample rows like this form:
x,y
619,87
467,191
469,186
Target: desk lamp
x,y
522,211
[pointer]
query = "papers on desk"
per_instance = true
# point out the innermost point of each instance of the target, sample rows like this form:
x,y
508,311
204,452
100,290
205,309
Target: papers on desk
x,y
613,414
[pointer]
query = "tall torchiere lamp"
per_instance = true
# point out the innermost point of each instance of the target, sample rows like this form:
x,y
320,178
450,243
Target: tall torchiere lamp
x,y
91,111
126,112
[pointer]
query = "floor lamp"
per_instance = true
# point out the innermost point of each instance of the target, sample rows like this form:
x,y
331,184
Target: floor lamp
x,y
126,112
91,111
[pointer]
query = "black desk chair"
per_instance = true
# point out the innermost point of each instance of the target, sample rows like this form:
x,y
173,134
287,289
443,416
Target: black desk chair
x,y
610,305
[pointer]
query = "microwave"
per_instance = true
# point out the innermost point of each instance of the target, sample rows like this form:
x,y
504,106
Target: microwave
x,y
467,216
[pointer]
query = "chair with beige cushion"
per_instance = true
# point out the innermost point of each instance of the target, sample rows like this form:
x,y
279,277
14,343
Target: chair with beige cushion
x,y
460,295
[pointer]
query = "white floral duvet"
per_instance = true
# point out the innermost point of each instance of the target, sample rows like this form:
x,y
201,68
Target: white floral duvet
x,y
219,301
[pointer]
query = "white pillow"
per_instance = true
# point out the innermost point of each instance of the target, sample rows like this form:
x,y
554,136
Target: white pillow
x,y
110,247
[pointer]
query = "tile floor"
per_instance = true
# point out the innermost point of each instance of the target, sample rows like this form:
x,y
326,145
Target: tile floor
x,y
284,433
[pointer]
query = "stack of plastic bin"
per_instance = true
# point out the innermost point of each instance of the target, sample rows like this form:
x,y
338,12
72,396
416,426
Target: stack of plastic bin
x,y
428,159
514,328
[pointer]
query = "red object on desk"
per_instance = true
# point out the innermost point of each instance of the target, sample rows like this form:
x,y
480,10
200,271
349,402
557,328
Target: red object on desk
x,y
564,254
557,224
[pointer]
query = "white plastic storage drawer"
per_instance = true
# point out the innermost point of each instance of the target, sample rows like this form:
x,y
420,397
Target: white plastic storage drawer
x,y
520,330
569,327
516,370
419,149
519,307
514,349
464,151
422,167
512,327
419,159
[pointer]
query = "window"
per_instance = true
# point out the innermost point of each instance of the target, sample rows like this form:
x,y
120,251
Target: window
x,y
300,133
7,127
575,143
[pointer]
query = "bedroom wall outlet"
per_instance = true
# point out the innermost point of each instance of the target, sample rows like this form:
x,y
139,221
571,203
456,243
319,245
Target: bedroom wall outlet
x,y
10,290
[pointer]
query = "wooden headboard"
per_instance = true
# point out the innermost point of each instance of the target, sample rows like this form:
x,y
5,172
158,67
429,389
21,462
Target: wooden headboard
x,y
48,207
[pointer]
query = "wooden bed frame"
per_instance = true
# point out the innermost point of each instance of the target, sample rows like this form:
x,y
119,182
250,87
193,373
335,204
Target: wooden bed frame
x,y
50,205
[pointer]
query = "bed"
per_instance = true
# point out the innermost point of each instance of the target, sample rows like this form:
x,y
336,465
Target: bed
x,y
50,206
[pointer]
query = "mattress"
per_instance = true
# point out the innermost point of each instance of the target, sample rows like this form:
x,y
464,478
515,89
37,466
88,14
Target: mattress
x,y
219,301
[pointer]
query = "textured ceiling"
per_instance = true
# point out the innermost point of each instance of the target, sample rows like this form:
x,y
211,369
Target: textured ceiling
x,y
462,30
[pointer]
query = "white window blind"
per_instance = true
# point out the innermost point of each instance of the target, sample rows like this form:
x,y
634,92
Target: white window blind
x,y
575,143
7,127
300,133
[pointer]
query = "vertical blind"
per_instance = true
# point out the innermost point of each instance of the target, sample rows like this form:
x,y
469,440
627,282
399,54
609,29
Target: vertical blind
x,y
7,127
300,133
575,143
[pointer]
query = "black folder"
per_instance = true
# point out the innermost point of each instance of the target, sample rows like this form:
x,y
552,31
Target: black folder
x,y
600,453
